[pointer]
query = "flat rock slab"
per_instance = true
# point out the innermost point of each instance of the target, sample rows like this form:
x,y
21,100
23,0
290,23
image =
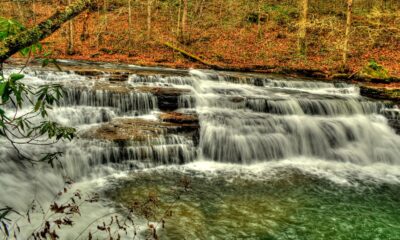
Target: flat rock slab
x,y
180,118
137,129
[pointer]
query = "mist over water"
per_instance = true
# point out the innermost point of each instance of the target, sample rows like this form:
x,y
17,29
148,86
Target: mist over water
x,y
275,156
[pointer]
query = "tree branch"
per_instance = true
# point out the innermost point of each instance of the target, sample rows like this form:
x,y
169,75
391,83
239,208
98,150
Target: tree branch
x,y
26,38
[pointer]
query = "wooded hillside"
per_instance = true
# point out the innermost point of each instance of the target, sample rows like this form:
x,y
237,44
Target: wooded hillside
x,y
302,34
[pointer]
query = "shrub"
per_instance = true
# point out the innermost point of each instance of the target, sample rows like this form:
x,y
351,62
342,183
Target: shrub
x,y
375,70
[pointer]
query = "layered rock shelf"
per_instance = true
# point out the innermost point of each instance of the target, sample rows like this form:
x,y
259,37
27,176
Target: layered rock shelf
x,y
392,94
124,130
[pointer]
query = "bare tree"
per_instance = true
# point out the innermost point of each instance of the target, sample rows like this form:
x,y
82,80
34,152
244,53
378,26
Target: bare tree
x,y
378,13
178,29
302,44
129,23
105,9
102,28
34,11
184,21
259,15
85,34
20,11
347,34
70,45
149,16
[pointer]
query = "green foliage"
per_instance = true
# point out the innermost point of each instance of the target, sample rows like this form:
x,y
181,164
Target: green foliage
x,y
12,87
375,70
47,61
10,27
21,129
14,92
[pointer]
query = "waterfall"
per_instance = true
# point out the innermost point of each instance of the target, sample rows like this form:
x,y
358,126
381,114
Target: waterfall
x,y
243,123
244,119
123,102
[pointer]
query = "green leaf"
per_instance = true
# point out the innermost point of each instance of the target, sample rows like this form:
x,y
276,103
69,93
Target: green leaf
x,y
45,62
3,87
54,61
37,105
3,35
5,91
25,52
5,228
47,54
9,27
16,76
38,46
5,211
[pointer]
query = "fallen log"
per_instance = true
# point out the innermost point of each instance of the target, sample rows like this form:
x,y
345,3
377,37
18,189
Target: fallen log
x,y
28,37
190,55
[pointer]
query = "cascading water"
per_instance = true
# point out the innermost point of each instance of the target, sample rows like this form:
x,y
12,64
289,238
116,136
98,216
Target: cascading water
x,y
317,140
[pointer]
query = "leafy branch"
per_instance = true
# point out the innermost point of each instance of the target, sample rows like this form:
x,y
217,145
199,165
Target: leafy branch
x,y
20,129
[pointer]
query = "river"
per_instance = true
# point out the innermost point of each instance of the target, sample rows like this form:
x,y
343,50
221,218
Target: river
x,y
272,157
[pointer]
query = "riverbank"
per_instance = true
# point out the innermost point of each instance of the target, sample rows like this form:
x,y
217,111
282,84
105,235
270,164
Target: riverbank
x,y
225,35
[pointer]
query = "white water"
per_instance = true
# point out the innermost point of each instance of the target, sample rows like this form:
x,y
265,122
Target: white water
x,y
249,127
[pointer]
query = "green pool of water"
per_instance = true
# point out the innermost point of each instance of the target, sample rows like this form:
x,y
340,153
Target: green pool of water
x,y
290,205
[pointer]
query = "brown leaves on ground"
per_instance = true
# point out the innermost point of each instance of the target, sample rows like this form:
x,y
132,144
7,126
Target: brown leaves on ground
x,y
221,35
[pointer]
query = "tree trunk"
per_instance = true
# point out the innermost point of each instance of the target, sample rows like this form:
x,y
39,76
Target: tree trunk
x,y
184,20
129,23
21,12
190,55
84,34
378,12
149,8
34,11
105,10
13,44
347,34
303,28
259,13
70,47
102,27
99,35
178,28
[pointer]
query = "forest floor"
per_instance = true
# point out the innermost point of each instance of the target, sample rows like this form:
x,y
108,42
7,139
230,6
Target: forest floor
x,y
240,46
